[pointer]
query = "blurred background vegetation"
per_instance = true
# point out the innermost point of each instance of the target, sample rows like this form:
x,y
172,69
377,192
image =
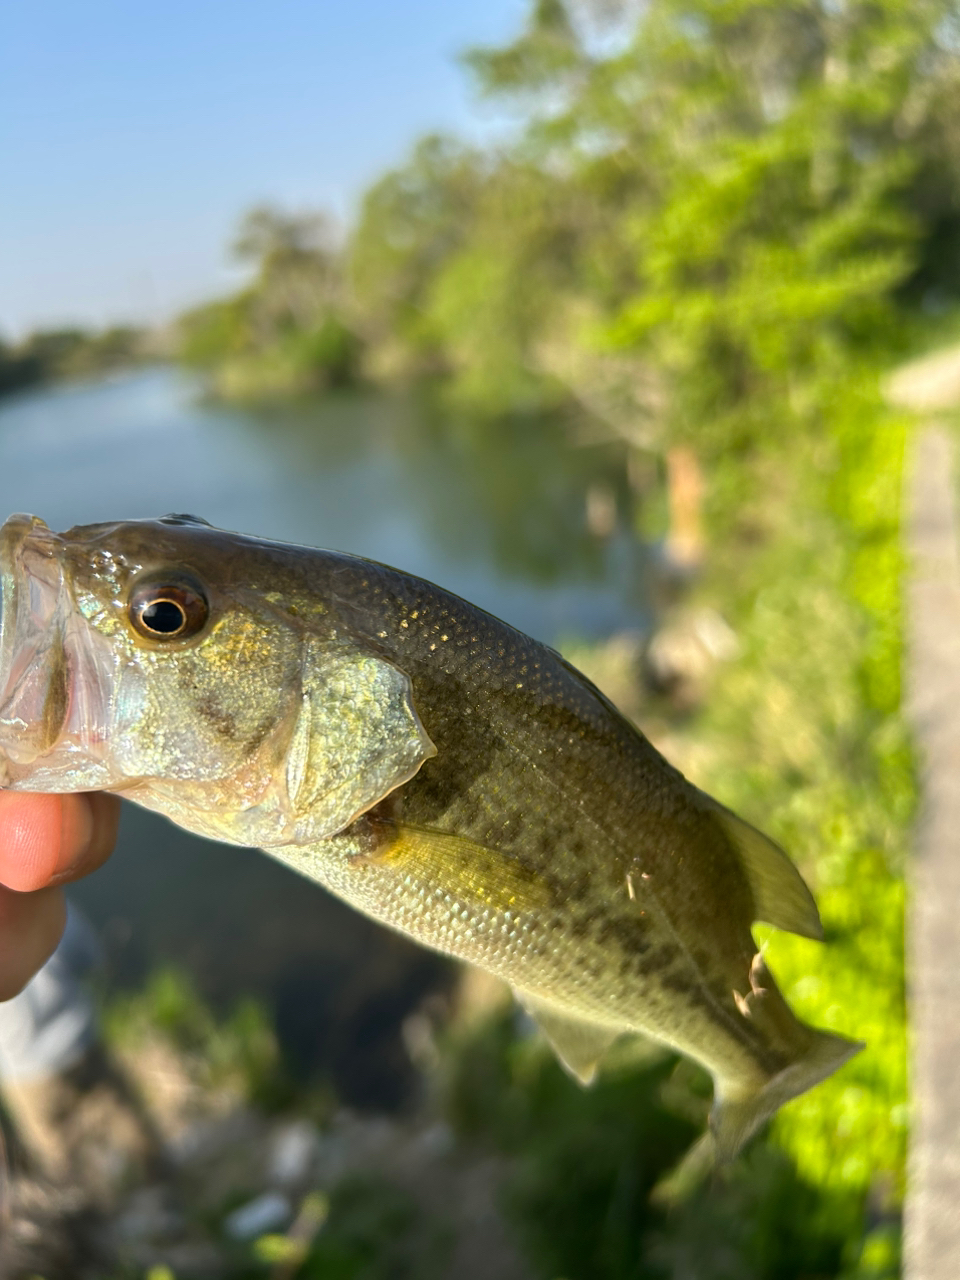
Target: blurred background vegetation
x,y
715,227
50,354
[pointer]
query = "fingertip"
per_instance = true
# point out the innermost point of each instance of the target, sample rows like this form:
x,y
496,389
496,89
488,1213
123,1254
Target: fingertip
x,y
50,839
88,833
31,839
77,825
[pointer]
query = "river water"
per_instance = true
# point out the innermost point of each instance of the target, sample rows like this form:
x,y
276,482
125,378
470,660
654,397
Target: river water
x,y
494,512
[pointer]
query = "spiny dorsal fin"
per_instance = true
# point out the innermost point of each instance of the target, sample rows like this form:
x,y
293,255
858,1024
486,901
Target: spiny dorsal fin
x,y
579,1045
781,897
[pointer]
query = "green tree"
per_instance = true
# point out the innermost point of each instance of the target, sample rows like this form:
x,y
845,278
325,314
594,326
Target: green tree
x,y
411,222
285,332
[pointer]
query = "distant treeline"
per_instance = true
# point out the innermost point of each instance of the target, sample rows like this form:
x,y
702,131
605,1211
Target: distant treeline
x,y
703,207
69,353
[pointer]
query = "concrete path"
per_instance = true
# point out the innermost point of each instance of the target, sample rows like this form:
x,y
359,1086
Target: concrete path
x,y
928,384
932,1239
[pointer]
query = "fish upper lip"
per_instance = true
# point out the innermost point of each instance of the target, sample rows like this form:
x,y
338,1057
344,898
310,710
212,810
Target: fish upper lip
x,y
29,608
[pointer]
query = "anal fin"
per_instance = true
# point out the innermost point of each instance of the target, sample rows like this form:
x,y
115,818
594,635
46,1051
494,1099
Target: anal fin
x,y
578,1044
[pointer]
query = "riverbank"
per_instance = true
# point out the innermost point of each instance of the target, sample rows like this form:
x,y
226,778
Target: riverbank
x,y
57,355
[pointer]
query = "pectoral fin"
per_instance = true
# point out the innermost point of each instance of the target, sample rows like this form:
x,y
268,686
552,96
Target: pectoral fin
x,y
357,738
579,1045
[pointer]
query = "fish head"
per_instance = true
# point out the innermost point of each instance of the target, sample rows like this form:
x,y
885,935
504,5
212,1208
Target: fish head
x,y
191,669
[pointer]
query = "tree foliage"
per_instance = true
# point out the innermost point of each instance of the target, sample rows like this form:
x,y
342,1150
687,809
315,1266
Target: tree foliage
x,y
285,332
49,354
703,204
705,201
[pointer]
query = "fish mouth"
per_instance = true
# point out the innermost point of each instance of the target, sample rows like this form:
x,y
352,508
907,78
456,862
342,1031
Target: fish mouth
x,y
34,678
58,674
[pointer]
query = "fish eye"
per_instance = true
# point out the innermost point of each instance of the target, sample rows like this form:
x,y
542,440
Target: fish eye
x,y
168,610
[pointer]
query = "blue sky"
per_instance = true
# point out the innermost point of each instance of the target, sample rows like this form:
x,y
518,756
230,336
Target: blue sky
x,y
132,135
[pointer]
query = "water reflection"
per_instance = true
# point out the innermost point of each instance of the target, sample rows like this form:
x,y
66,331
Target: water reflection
x,y
510,492
494,512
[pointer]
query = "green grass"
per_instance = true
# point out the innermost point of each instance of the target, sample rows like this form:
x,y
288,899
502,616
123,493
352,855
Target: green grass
x,y
807,739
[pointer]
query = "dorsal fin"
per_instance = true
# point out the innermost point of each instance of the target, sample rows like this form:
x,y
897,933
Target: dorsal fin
x,y
781,897
579,1045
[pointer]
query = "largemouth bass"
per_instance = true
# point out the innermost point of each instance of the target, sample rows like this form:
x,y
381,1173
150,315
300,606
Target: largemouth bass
x,y
437,769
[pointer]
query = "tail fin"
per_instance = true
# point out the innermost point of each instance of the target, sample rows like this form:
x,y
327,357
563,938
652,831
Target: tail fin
x,y
736,1117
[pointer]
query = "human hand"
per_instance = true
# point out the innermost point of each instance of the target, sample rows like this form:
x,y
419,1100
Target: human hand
x,y
45,842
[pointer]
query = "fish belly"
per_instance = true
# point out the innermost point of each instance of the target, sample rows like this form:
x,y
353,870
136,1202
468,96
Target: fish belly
x,y
655,989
